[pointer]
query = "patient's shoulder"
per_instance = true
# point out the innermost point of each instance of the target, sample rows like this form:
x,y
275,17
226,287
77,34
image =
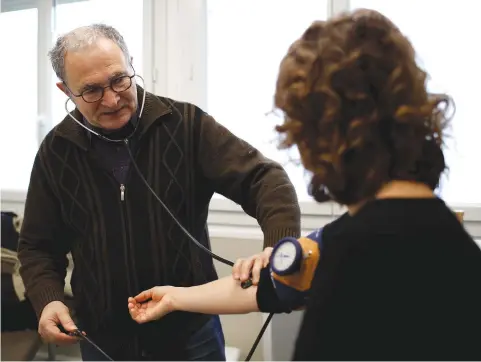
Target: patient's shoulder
x,y
330,228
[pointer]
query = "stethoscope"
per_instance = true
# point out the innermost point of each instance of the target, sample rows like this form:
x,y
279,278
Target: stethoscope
x,y
244,285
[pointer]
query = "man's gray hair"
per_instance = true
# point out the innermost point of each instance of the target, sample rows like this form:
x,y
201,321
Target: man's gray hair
x,y
80,38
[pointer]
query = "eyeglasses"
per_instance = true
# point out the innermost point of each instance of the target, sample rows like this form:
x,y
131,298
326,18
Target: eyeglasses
x,y
95,94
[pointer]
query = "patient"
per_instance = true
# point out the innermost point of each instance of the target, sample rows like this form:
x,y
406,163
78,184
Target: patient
x,y
399,278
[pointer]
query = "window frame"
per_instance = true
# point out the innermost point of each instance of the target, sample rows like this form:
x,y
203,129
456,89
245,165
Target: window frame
x,y
46,39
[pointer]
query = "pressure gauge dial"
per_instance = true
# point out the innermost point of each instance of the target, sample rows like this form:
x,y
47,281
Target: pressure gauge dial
x,y
286,256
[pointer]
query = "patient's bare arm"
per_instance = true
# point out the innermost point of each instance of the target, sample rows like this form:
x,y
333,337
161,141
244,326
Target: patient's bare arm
x,y
223,296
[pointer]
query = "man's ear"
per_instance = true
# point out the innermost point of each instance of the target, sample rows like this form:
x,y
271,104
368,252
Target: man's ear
x,y
63,88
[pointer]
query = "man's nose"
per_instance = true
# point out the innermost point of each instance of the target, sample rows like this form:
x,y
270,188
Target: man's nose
x,y
110,99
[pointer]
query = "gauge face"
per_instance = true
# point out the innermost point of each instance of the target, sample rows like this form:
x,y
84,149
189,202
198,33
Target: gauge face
x,y
285,256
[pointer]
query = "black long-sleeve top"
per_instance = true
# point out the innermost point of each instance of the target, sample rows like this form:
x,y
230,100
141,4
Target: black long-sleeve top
x,y
399,280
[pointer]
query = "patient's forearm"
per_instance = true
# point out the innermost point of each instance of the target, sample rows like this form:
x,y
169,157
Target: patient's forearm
x,y
223,296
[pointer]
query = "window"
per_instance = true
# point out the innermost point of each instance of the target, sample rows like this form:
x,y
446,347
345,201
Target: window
x,y
124,15
444,34
18,111
246,41
31,103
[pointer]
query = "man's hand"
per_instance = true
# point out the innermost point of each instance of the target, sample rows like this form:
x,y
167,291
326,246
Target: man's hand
x,y
54,314
245,268
151,304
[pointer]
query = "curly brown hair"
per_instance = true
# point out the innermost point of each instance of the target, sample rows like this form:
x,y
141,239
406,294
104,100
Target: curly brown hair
x,y
355,103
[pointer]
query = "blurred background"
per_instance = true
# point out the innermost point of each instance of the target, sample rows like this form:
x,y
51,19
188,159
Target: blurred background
x,y
221,55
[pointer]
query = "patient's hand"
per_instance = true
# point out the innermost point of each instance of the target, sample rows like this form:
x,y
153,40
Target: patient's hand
x,y
151,304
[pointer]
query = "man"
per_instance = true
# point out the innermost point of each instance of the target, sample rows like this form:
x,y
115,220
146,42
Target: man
x,y
88,197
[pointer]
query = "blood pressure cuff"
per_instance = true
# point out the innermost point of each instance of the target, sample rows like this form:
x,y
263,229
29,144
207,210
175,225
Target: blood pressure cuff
x,y
276,294
267,299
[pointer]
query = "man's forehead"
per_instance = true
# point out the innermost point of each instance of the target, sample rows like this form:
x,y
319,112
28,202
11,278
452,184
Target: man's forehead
x,y
96,63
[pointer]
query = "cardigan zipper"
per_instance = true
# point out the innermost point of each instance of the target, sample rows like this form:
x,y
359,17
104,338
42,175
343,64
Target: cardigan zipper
x,y
124,224
122,192
124,214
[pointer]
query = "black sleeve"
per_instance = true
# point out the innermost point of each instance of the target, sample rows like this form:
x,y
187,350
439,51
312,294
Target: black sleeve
x,y
267,299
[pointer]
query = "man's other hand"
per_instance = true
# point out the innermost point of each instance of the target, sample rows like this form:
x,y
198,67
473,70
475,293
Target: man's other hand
x,y
54,314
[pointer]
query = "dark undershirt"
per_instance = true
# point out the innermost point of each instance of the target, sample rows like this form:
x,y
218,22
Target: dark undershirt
x,y
400,280
114,156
